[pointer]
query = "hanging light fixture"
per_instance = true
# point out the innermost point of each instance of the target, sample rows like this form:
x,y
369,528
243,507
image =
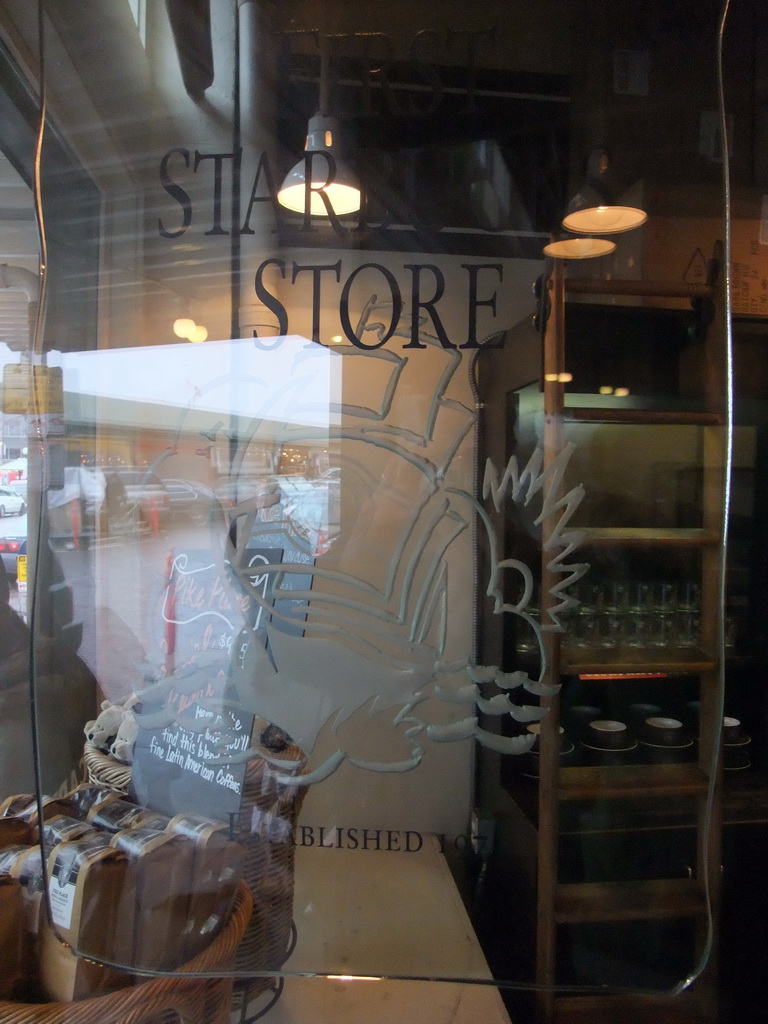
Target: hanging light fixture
x,y
321,183
593,210
579,248
183,326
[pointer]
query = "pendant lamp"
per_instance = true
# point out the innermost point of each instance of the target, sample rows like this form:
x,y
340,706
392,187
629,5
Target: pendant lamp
x,y
321,183
579,248
593,210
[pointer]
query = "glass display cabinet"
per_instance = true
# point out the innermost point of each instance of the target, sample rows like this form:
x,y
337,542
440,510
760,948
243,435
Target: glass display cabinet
x,y
615,813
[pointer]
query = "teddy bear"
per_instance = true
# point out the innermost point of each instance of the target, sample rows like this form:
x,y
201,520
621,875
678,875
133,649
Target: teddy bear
x,y
122,747
102,731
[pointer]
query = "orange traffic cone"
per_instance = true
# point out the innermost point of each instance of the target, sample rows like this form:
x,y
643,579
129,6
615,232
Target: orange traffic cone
x,y
75,515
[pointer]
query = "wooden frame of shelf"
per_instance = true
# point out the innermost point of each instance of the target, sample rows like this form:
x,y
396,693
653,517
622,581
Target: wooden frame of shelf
x,y
618,661
697,782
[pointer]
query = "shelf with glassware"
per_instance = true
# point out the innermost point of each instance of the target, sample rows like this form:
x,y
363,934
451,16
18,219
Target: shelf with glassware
x,y
627,753
639,607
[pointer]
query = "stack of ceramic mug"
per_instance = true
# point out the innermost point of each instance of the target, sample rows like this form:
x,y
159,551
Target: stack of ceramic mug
x,y
665,740
736,745
736,742
529,762
642,735
607,741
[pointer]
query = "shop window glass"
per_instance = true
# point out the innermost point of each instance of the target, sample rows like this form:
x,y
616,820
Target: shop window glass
x,y
375,571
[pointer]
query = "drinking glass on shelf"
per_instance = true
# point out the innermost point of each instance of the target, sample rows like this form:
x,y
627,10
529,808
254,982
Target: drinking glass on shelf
x,y
615,597
689,599
662,630
637,630
586,631
590,597
610,629
664,596
687,629
639,597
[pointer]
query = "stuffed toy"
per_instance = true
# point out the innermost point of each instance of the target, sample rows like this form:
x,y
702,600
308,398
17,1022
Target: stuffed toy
x,y
122,747
102,732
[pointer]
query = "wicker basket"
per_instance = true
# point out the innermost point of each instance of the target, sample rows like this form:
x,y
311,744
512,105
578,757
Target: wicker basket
x,y
269,811
166,1000
106,770
268,816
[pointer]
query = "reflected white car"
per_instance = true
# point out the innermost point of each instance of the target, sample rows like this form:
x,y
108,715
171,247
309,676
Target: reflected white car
x,y
12,544
314,512
11,503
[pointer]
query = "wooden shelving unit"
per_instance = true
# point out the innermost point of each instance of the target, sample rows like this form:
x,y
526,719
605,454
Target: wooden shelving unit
x,y
692,789
622,660
631,781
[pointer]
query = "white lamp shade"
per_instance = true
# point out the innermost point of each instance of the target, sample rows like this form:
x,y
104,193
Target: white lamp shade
x,y
343,191
198,333
343,198
579,248
604,220
183,326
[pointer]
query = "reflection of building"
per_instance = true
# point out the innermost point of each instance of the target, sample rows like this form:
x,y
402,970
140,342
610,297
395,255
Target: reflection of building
x,y
15,469
15,436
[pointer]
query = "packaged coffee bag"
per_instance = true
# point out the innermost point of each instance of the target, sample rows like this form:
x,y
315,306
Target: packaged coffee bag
x,y
12,938
50,807
12,805
84,798
62,828
150,819
115,815
16,832
25,864
217,867
92,911
160,873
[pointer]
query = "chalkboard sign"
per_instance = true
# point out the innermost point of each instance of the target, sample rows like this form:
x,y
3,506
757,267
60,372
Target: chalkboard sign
x,y
271,531
196,617
199,610
180,766
262,583
172,769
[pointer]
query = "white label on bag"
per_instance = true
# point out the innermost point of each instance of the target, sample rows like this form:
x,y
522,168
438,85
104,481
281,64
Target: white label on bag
x,y
62,902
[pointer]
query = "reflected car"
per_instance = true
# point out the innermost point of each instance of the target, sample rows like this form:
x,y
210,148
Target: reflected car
x,y
13,542
314,511
61,597
11,503
136,491
263,491
189,499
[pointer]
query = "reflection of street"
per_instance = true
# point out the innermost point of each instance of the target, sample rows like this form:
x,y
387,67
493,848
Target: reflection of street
x,y
313,508
118,578
118,585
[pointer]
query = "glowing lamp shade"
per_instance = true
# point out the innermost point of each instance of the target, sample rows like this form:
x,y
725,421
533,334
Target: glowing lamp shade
x,y
593,210
183,327
198,333
604,220
330,176
579,248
